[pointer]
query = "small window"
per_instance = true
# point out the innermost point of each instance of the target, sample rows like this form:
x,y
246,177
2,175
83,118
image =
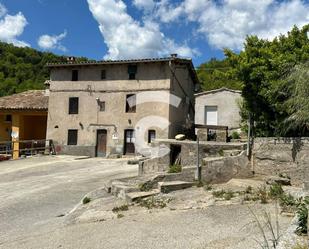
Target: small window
x,y
8,118
72,137
102,106
74,75
73,105
151,136
103,74
132,70
131,103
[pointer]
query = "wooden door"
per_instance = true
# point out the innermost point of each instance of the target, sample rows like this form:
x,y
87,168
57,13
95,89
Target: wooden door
x,y
129,139
101,143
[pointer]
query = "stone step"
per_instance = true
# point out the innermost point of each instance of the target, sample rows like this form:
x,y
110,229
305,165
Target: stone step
x,y
134,196
166,187
231,152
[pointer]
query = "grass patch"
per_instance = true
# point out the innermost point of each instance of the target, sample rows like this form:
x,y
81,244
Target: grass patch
x,y
119,216
226,195
299,246
153,202
86,200
176,168
120,208
145,187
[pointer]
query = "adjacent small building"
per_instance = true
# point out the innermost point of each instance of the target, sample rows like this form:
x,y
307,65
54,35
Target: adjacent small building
x,y
218,107
107,107
23,116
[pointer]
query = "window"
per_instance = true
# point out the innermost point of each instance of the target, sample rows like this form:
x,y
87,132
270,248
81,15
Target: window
x,y
8,118
151,136
102,106
132,70
74,75
72,137
103,74
73,105
131,103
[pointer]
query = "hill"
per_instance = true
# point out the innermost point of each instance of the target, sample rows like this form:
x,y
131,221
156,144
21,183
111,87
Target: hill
x,y
23,68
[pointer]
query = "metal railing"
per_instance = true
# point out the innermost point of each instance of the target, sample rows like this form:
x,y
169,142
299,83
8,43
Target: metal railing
x,y
27,147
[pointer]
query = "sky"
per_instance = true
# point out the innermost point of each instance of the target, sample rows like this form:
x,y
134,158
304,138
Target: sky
x,y
128,29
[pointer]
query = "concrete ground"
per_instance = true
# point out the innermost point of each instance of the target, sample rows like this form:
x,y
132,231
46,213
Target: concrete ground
x,y
34,192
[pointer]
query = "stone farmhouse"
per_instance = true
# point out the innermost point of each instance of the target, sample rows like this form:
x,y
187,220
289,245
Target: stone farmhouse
x,y
103,108
218,107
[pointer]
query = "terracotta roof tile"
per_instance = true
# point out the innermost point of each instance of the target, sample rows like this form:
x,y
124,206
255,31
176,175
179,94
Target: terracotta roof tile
x,y
29,100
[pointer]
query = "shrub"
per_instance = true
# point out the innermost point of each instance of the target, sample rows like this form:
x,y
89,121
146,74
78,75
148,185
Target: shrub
x,y
302,212
263,195
176,168
221,152
235,135
86,200
276,191
119,216
228,195
218,193
120,208
248,190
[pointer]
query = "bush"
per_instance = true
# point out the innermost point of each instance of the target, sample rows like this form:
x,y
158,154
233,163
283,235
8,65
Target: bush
x,y
263,195
235,135
302,212
276,191
175,168
86,200
120,208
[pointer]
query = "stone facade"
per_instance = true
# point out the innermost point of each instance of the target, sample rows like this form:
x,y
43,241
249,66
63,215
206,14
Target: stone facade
x,y
227,103
288,156
157,85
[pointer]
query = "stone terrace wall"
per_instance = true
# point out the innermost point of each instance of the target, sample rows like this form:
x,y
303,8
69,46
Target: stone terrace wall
x,y
274,156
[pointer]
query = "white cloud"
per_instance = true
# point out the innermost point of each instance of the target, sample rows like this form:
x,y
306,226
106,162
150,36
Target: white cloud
x,y
146,5
48,42
11,27
3,10
128,38
226,23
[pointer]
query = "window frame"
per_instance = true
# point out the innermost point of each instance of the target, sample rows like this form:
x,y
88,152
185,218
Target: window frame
x,y
72,141
132,71
73,111
75,75
128,108
103,74
149,135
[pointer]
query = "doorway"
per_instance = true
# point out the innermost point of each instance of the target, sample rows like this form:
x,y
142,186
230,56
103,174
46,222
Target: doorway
x,y
101,143
129,139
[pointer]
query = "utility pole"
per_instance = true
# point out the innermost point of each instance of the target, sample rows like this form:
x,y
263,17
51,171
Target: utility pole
x,y
198,169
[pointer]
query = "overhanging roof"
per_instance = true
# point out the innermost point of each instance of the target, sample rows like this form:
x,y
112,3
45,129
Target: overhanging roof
x,y
34,100
223,89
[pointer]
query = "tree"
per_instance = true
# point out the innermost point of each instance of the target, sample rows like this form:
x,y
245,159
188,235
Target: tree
x,y
298,103
216,73
263,67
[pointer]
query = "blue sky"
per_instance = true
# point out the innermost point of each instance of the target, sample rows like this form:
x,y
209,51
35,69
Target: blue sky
x,y
116,29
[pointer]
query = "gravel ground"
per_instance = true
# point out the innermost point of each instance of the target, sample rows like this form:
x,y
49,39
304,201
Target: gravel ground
x,y
212,228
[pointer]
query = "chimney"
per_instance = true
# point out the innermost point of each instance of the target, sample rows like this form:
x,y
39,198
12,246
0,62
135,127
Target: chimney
x,y
174,55
70,59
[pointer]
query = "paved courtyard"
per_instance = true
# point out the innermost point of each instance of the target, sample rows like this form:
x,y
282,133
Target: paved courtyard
x,y
34,191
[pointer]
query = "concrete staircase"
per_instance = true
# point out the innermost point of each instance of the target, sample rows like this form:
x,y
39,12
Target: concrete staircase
x,y
133,189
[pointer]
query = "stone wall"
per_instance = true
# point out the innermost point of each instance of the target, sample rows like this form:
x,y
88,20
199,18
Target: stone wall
x,y
274,156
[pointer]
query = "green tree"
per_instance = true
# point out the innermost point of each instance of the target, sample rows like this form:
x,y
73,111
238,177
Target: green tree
x,y
24,68
216,73
298,103
263,67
